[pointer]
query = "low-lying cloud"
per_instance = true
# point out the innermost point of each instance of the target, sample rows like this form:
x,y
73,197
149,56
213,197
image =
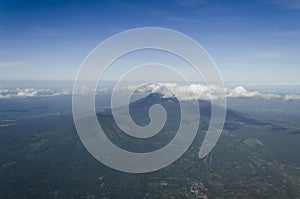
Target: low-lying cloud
x,y
189,92
203,92
31,92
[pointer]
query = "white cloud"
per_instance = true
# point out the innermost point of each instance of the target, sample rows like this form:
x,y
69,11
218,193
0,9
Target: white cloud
x,y
102,90
240,91
31,92
200,91
3,90
290,97
27,92
192,91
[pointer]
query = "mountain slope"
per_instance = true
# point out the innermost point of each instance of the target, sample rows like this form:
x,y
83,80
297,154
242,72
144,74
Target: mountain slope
x,y
249,161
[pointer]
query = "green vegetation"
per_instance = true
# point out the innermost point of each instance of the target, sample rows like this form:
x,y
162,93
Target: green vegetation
x,y
251,160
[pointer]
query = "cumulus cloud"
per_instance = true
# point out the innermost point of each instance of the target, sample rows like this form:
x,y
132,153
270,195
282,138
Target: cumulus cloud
x,y
290,97
200,91
102,90
31,92
183,92
27,92
240,91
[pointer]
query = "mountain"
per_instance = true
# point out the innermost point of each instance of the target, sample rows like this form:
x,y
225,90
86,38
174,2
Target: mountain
x,y
252,159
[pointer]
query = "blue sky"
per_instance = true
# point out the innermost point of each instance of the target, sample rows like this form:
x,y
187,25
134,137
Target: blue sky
x,y
250,41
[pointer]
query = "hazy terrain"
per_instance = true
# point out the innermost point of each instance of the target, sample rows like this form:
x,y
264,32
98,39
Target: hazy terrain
x,y
42,156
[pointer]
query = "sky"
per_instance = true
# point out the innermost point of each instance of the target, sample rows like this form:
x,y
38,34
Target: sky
x,y
250,41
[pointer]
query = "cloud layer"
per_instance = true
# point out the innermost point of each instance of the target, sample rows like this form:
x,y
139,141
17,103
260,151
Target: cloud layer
x,y
192,91
31,92
200,91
